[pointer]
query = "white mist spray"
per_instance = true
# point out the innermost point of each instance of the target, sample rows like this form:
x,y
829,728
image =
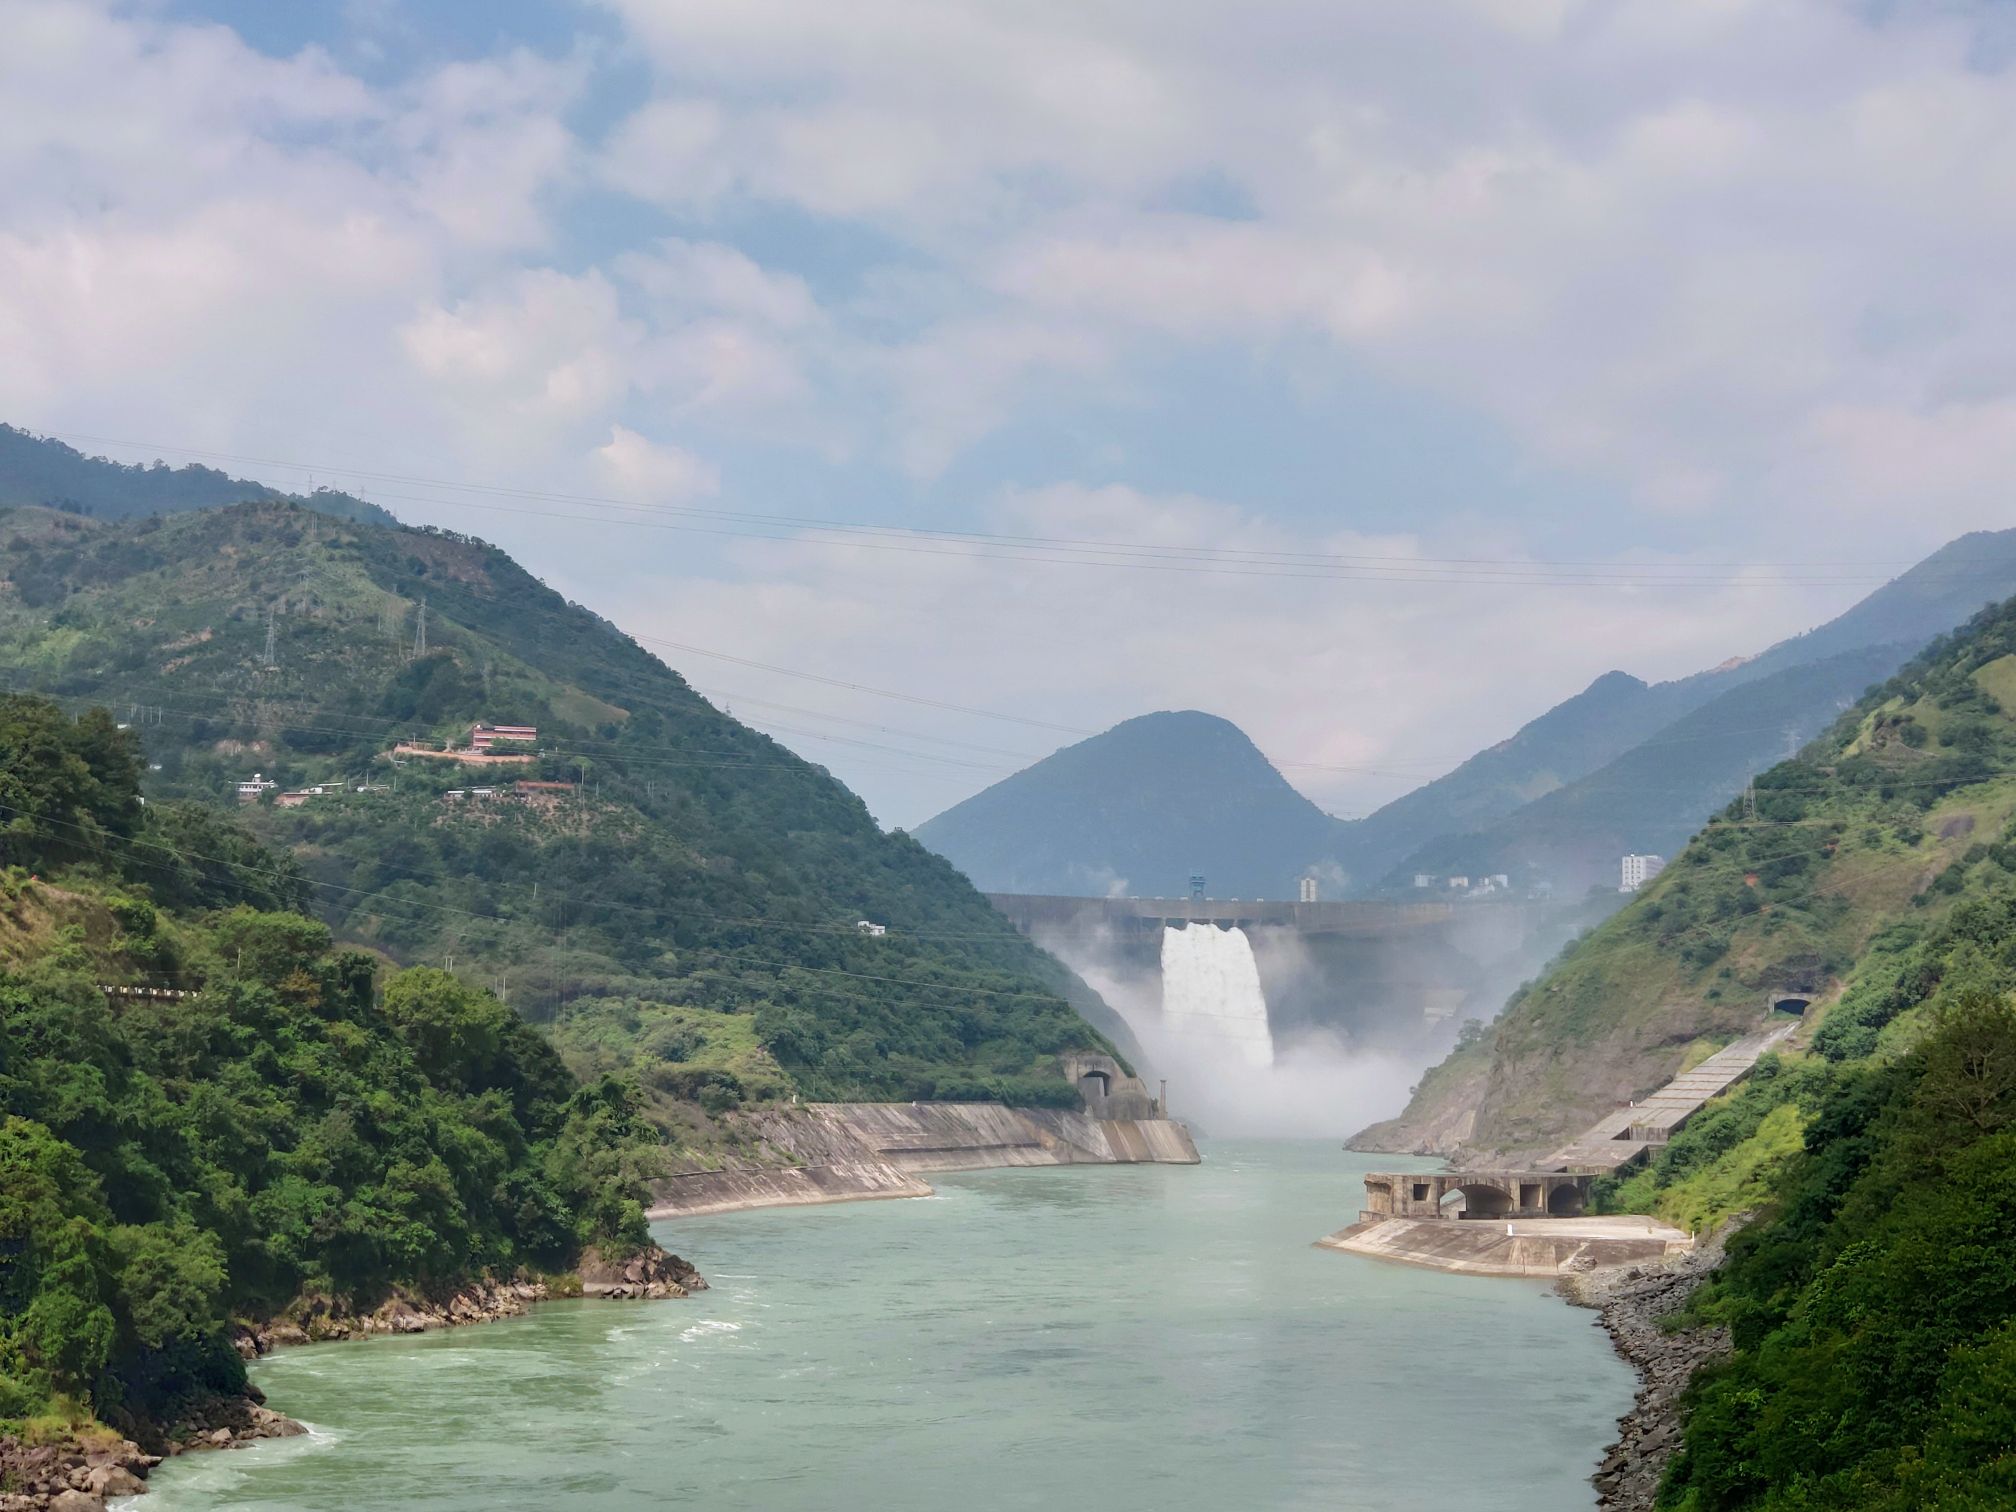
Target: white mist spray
x,y
1241,1083
1211,994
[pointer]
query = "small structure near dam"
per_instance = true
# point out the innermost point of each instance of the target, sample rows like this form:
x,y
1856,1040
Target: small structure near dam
x,y
1531,1222
1475,1194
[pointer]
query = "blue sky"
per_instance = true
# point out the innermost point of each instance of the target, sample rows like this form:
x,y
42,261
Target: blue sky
x,y
1344,326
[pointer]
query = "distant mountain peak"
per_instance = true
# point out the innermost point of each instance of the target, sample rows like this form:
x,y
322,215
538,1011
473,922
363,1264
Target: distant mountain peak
x,y
1141,808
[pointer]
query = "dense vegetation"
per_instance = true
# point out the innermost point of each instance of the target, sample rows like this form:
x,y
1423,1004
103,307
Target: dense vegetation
x,y
691,866
1847,858
286,1126
1871,1299
1873,1303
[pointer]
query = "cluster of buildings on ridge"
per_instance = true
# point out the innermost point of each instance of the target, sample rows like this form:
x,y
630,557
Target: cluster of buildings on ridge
x,y
1633,872
1471,887
487,743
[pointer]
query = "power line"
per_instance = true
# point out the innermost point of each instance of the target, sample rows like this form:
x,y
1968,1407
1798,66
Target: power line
x,y
1138,555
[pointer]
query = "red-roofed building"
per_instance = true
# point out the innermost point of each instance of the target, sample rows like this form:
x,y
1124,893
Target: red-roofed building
x,y
483,736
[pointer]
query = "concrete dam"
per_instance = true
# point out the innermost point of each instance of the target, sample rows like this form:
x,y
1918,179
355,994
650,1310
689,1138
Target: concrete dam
x,y
1378,975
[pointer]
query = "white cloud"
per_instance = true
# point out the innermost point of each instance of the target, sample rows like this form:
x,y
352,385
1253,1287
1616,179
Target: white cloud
x,y
1370,686
543,346
1654,242
651,472
1740,265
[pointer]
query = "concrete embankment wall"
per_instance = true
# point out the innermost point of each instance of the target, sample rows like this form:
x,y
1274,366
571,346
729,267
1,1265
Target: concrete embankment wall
x,y
842,1152
1529,1247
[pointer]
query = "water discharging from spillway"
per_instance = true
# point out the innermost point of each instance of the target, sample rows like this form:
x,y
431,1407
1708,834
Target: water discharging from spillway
x,y
1211,994
1202,1026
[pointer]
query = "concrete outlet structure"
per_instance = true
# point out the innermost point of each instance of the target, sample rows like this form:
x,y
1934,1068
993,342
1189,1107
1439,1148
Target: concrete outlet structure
x,y
1107,1091
1474,1194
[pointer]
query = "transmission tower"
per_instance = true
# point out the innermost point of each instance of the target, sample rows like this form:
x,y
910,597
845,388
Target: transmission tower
x,y
420,633
272,658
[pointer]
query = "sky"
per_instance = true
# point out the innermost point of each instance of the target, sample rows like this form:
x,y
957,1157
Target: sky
x,y
934,382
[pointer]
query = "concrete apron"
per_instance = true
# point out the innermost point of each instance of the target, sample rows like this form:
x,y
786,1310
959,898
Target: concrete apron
x,y
1545,1247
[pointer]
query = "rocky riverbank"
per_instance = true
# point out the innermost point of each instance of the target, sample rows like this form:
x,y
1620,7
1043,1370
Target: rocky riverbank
x,y
650,1274
81,1474
1631,1301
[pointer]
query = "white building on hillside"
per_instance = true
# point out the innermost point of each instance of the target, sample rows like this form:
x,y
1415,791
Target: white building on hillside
x,y
1638,870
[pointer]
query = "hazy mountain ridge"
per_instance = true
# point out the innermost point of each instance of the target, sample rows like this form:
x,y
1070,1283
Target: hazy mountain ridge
x,y
1654,795
1558,836
44,471
1570,740
1156,798
1623,765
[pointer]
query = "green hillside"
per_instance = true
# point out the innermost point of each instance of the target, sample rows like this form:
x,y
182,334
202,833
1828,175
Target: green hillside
x,y
1872,1303
288,1122
1858,849
684,910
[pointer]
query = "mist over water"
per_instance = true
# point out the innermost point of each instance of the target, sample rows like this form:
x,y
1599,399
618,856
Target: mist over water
x,y
1204,1029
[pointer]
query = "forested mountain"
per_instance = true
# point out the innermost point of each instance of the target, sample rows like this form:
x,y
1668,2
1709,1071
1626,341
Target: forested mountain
x,y
41,470
681,902
1872,1301
208,1115
1138,810
1858,849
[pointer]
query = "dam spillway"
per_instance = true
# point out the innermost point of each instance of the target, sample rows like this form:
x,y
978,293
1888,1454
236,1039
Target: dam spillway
x,y
1394,975
1211,993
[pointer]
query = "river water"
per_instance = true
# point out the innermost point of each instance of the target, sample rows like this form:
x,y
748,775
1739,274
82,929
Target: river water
x,y
1125,1339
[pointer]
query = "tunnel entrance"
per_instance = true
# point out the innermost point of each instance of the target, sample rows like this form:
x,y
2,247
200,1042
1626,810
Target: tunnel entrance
x,y
1481,1201
1094,1084
1795,1006
1565,1202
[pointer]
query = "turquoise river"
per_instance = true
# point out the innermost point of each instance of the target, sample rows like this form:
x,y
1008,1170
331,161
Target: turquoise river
x,y
1131,1339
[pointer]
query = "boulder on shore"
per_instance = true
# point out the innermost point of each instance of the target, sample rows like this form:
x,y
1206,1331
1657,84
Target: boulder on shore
x,y
651,1272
